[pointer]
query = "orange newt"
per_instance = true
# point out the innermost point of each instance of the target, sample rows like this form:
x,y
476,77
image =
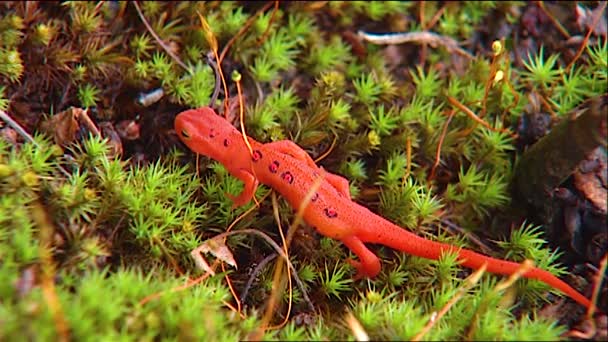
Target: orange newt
x,y
289,170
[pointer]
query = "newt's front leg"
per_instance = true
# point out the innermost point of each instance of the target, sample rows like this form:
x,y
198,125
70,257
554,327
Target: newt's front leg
x,y
369,266
250,185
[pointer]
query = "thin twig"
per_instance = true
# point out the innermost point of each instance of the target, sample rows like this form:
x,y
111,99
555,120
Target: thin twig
x,y
491,79
425,37
189,283
598,285
216,89
84,115
7,118
596,18
423,47
267,31
151,97
247,212
525,266
277,249
242,115
468,235
157,38
232,290
303,205
435,17
356,327
554,21
212,41
257,270
248,23
331,147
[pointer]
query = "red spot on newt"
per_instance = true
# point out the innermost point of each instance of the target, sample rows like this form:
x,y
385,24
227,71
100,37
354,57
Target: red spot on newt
x,y
273,167
287,176
256,155
331,212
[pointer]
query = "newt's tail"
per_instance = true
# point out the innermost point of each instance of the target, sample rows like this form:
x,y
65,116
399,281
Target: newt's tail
x,y
405,241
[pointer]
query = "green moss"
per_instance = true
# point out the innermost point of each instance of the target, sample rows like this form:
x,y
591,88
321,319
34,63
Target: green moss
x,y
123,231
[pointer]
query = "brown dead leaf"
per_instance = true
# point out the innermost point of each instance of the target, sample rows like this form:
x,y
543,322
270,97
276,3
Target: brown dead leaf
x,y
113,138
62,126
215,247
9,134
65,125
128,129
585,18
588,180
218,248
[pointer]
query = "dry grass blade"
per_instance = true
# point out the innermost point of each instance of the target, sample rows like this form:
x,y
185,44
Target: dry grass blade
x,y
469,282
49,292
276,280
212,41
589,327
355,327
444,132
503,285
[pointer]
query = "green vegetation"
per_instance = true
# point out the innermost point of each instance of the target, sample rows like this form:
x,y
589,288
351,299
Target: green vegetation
x,y
121,229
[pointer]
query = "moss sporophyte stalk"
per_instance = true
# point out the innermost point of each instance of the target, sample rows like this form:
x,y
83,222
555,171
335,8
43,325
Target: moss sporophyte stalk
x,y
425,129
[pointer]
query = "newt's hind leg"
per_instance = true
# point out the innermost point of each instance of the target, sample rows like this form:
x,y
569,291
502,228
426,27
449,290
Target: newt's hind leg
x,y
338,182
369,266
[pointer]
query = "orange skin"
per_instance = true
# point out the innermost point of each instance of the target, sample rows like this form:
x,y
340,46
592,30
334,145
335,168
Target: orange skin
x,y
289,170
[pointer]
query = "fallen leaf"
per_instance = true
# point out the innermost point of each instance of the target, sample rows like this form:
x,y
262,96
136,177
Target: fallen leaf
x,y
217,247
589,182
63,126
108,132
585,18
128,129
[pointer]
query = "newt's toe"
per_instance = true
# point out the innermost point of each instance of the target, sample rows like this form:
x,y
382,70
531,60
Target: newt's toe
x,y
360,269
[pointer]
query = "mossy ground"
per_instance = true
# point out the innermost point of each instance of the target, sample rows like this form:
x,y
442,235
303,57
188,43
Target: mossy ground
x,y
95,235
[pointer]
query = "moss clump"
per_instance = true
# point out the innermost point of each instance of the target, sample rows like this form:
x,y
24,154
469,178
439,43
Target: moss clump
x,y
425,137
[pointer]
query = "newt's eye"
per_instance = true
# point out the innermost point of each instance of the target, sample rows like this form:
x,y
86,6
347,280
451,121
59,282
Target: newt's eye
x,y
185,134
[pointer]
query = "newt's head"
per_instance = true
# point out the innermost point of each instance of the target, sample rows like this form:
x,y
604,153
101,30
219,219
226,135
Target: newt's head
x,y
204,132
